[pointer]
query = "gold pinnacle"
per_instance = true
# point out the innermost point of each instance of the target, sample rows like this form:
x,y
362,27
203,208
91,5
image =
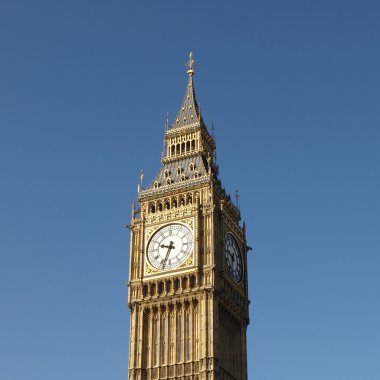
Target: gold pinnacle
x,y
190,64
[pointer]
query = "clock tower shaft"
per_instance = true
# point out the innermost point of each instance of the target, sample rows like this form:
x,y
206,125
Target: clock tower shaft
x,y
188,284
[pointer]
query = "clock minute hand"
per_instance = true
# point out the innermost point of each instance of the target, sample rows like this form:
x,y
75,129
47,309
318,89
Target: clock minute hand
x,y
169,247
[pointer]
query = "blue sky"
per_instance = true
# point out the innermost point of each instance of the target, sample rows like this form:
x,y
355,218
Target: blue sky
x,y
292,88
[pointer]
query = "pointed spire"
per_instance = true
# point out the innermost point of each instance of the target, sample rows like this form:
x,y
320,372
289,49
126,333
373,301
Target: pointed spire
x,y
189,112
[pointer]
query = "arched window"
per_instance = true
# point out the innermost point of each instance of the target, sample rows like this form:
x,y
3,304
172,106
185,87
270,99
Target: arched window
x,y
160,287
188,146
168,286
156,185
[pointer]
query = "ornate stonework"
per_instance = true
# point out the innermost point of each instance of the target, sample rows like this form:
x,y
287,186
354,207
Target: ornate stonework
x,y
189,311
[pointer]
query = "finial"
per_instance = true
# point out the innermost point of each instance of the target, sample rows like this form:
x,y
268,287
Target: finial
x,y
190,64
209,163
133,210
237,196
212,131
139,186
167,121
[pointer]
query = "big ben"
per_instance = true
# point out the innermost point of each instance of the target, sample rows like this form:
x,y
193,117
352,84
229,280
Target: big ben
x,y
188,284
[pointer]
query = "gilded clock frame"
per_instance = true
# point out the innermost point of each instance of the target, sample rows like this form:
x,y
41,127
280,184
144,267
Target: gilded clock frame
x,y
190,263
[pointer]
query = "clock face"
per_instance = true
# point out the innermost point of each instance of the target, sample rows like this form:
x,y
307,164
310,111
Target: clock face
x,y
170,246
233,257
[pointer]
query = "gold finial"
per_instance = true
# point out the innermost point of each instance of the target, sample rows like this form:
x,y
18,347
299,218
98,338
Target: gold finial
x,y
190,64
139,186
167,121
237,196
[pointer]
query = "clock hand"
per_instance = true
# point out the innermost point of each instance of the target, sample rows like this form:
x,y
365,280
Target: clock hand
x,y
232,255
169,247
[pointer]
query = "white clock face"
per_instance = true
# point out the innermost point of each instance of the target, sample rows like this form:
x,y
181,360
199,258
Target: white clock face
x,y
233,257
170,246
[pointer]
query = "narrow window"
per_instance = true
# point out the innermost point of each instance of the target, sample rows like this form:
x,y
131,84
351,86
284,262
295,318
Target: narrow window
x,y
163,339
180,337
155,337
188,337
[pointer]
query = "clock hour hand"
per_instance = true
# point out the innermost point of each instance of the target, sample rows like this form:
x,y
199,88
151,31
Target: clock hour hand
x,y
232,255
169,247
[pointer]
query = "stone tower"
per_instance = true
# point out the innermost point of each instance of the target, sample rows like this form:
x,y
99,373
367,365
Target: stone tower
x,y
188,285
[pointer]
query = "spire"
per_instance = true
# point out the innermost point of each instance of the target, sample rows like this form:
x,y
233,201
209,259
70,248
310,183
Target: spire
x,y
189,112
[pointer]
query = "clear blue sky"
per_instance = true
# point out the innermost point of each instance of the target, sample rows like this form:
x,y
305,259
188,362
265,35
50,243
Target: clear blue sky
x,y
293,89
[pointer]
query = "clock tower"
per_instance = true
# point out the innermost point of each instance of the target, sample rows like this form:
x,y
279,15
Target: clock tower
x,y
188,284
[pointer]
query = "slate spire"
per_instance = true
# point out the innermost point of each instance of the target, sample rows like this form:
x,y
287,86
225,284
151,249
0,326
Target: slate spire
x,y
189,114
